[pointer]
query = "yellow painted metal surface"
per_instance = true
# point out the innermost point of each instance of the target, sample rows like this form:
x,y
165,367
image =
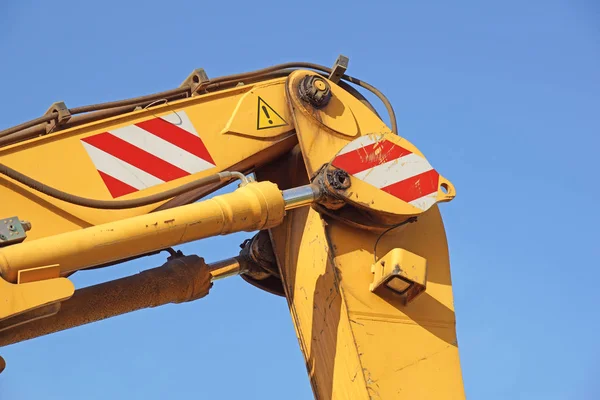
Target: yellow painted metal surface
x,y
261,113
16,299
255,206
358,344
401,271
38,273
320,315
321,133
404,349
225,121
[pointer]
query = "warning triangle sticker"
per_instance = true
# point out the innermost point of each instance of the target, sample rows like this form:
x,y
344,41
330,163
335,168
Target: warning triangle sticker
x,y
267,116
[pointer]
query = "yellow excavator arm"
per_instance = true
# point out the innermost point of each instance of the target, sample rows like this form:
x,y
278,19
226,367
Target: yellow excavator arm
x,y
345,210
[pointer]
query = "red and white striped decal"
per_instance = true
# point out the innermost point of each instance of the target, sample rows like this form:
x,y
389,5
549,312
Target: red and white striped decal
x,y
391,168
148,153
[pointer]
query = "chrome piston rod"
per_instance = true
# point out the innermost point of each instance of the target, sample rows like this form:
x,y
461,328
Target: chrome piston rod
x,y
293,198
301,196
226,268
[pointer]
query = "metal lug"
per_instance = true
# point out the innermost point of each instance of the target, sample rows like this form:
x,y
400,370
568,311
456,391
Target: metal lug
x,y
64,115
196,81
339,68
12,230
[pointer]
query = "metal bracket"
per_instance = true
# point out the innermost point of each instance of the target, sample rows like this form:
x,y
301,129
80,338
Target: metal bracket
x,y
64,115
196,81
173,255
339,68
401,273
261,266
12,230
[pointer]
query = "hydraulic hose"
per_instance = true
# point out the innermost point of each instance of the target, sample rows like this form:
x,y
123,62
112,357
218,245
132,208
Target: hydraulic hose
x,y
28,124
131,102
116,204
214,84
234,79
179,92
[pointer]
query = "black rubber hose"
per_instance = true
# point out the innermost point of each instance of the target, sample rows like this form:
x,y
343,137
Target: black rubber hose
x,y
218,82
211,84
130,102
381,97
178,92
114,204
28,124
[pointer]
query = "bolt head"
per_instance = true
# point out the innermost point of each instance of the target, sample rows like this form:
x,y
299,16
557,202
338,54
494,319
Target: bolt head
x,y
320,85
315,90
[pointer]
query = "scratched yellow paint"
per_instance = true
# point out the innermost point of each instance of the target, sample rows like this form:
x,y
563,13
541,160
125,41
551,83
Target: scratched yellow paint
x,y
359,345
60,160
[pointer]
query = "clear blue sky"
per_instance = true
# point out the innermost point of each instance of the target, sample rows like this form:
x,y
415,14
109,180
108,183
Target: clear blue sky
x,y
503,98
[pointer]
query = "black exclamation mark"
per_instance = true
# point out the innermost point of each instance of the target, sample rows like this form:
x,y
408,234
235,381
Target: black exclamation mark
x,y
267,114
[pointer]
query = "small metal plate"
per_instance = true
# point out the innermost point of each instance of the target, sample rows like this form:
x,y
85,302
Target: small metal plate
x,y
11,231
389,174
